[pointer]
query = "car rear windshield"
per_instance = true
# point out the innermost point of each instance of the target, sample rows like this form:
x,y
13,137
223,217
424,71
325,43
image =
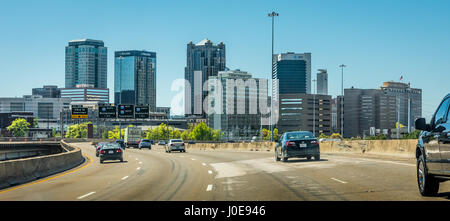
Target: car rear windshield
x,y
111,146
177,141
299,135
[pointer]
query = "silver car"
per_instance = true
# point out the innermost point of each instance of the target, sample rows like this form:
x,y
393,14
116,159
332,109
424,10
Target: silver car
x,y
175,145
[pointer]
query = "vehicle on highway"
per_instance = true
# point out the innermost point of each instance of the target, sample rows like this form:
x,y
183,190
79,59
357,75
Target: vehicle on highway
x,y
121,143
111,151
145,143
191,142
162,142
99,147
132,136
297,144
175,145
433,150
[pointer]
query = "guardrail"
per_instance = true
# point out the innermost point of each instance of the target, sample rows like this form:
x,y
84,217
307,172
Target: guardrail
x,y
18,171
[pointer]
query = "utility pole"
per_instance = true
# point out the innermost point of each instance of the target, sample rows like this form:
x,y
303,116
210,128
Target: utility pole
x,y
342,66
272,15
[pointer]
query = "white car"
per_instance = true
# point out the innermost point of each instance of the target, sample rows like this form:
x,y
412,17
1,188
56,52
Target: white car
x,y
175,145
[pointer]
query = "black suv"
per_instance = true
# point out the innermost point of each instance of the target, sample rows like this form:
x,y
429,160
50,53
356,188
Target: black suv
x,y
433,150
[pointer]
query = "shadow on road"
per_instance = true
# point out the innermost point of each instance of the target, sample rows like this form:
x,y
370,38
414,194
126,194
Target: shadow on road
x,y
108,162
304,161
444,195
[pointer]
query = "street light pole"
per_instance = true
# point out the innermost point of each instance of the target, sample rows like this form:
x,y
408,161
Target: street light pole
x,y
342,66
272,15
314,108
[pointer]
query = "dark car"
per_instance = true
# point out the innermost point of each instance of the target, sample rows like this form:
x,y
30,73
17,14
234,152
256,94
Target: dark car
x,y
99,147
111,151
433,150
121,143
145,143
297,144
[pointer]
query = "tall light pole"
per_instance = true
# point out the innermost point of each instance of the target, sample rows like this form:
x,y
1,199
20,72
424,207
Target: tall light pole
x,y
272,15
342,66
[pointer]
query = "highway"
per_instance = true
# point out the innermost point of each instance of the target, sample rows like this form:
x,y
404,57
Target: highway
x,y
225,175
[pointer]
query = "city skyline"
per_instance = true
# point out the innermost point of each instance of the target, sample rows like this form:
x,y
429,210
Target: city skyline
x,y
409,41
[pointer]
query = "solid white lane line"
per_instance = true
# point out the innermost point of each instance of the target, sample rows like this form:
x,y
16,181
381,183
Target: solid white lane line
x,y
209,171
204,164
209,188
340,181
81,197
125,177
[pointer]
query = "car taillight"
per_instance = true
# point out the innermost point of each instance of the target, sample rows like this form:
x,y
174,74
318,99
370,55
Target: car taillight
x,y
102,151
182,144
314,142
171,144
290,144
119,151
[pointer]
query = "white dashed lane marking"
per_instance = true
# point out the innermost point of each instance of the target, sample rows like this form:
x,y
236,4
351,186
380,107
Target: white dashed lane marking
x,y
209,188
125,177
340,181
86,195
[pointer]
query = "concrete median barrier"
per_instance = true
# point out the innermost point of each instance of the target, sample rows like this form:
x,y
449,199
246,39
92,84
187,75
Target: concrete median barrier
x,y
14,172
398,148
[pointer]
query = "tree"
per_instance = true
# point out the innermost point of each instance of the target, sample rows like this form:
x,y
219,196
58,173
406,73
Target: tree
x,y
78,130
19,127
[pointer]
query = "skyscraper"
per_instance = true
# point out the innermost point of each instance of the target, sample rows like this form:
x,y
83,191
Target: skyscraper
x,y
293,72
204,59
86,63
322,82
135,78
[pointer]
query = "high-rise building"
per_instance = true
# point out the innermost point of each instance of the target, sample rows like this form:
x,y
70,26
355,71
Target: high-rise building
x,y
293,73
366,110
305,112
204,60
135,78
48,91
322,82
234,99
86,63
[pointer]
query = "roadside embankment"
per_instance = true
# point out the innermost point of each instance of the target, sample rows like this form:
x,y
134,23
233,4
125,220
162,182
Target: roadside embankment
x,y
18,171
397,148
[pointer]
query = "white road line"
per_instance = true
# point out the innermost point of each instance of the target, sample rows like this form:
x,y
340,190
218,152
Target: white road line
x,y
81,197
140,162
340,181
204,164
138,168
192,159
125,177
209,171
209,188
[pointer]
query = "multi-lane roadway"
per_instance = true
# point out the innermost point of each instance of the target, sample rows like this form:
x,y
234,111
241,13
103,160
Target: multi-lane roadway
x,y
197,175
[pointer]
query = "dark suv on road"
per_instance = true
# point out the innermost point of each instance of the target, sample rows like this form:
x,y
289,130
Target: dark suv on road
x,y
297,144
433,150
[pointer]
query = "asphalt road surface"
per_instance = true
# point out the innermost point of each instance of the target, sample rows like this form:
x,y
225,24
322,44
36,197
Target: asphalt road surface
x,y
152,175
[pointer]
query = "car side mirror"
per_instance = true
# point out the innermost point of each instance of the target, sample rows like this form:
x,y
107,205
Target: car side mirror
x,y
421,124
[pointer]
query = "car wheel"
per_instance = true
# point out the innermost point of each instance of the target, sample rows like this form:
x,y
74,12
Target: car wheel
x,y
276,155
121,159
101,161
317,157
428,185
308,157
285,159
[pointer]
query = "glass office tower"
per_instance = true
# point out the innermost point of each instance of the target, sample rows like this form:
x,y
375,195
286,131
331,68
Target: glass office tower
x,y
293,72
135,78
86,63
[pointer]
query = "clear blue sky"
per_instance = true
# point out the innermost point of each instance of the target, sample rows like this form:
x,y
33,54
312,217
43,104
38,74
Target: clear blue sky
x,y
377,40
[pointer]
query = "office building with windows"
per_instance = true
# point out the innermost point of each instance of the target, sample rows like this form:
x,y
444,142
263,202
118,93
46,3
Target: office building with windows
x,y
86,93
135,78
86,63
203,60
293,73
234,102
305,112
48,91
322,82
